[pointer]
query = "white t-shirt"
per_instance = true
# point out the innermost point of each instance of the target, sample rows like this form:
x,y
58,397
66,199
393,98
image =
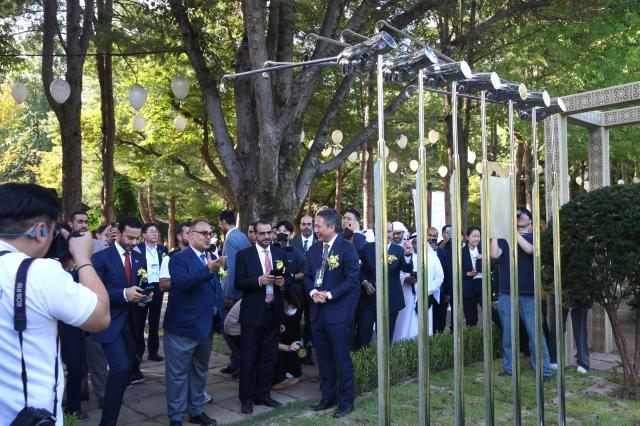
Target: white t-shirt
x,y
52,295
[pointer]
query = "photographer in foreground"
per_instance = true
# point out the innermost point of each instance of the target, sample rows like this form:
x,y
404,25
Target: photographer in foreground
x,y
49,294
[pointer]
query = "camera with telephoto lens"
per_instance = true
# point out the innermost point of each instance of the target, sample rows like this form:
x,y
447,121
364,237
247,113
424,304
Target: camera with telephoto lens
x,y
59,248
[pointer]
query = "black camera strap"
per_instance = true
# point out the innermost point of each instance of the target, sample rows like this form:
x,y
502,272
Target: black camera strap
x,y
20,324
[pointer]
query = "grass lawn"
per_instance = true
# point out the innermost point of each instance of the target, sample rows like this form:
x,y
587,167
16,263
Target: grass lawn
x,y
588,402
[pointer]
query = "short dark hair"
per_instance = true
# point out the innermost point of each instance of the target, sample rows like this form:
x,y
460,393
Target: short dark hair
x,y
24,204
354,212
291,296
99,230
444,228
147,226
330,217
471,229
75,213
253,224
227,216
131,222
525,211
286,224
261,222
180,227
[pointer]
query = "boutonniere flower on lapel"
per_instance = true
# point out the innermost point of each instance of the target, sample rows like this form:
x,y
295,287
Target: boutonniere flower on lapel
x,y
333,262
391,258
280,265
163,256
142,274
222,273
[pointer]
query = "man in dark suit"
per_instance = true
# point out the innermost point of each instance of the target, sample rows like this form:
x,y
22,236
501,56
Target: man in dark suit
x,y
351,220
154,253
194,310
440,309
261,314
399,261
331,281
118,267
307,238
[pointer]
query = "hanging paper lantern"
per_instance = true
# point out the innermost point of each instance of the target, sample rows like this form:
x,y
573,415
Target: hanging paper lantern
x,y
393,166
180,123
180,86
579,180
402,141
413,165
137,97
60,90
336,136
326,152
19,92
353,157
442,171
139,122
586,185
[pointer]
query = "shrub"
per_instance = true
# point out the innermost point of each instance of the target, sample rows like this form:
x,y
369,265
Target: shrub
x,y
599,237
403,357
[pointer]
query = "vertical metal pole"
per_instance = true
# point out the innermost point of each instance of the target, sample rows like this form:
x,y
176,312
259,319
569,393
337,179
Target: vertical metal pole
x,y
487,324
382,305
423,278
456,225
513,268
537,277
557,279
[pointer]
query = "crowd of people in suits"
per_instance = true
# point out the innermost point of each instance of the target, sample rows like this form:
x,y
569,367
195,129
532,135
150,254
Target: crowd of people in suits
x,y
274,296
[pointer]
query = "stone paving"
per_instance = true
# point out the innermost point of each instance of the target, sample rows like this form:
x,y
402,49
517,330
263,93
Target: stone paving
x,y
145,403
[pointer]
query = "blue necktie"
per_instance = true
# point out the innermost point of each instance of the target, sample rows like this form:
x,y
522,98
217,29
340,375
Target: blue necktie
x,y
306,245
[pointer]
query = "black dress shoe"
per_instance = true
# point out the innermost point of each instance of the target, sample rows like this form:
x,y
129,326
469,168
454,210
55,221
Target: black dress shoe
x,y
202,419
343,411
269,402
228,370
136,377
247,407
323,405
155,357
175,423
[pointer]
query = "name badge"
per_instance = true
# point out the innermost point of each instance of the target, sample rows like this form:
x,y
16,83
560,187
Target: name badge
x,y
319,277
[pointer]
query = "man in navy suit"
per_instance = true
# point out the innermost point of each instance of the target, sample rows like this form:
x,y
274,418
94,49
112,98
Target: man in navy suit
x,y
351,220
332,282
118,268
399,261
307,238
261,313
194,311
153,253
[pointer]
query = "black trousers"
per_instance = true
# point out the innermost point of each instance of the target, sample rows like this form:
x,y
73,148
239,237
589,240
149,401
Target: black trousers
x,y
139,318
73,356
259,354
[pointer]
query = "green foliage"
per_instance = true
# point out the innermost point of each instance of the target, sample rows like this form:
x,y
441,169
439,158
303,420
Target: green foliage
x,y
124,196
403,357
599,236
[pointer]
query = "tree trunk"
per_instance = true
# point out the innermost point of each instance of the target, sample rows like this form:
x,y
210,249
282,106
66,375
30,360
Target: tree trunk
x,y
629,370
78,33
142,206
171,232
150,206
105,78
338,200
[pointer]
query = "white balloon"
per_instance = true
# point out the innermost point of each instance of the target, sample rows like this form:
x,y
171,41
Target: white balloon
x,y
393,166
19,92
413,165
139,122
60,90
402,141
353,157
442,171
337,136
180,86
180,123
471,157
433,136
137,97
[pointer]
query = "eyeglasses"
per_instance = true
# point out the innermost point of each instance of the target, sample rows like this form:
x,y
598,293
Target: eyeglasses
x,y
206,234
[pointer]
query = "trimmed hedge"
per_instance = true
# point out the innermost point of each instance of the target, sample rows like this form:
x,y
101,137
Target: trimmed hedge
x,y
403,358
